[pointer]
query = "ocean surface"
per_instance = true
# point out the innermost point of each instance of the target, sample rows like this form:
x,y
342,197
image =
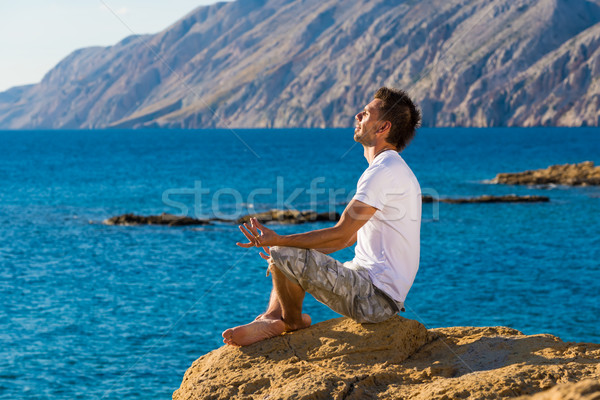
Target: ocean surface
x,y
90,311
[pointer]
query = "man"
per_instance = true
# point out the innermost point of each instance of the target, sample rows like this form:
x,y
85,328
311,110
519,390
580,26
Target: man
x,y
383,218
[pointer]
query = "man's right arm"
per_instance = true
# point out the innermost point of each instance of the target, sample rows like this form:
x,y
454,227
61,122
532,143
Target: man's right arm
x,y
329,250
342,235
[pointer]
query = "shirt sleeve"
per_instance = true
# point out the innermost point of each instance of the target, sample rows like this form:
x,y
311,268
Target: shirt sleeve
x,y
371,187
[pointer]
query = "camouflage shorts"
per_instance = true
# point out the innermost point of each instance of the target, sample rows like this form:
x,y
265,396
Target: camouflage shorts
x,y
345,288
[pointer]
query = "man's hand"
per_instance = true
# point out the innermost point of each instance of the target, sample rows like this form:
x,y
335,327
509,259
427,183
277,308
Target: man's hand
x,y
267,254
257,234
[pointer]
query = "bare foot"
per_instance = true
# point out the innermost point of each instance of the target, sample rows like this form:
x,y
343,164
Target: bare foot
x,y
253,332
261,316
260,329
306,321
276,315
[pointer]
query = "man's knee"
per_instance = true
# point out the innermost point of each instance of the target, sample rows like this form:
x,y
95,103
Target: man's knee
x,y
286,260
275,259
373,309
274,251
282,254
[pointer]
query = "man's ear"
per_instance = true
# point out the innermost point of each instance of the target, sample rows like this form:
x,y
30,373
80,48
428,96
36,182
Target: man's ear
x,y
385,127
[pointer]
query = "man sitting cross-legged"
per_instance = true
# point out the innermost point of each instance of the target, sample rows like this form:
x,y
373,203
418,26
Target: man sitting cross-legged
x,y
383,219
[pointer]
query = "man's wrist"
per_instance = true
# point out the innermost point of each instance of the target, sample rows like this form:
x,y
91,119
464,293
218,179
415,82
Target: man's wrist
x,y
279,241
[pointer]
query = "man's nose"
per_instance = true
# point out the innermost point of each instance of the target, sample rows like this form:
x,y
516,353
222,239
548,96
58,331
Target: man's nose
x,y
358,116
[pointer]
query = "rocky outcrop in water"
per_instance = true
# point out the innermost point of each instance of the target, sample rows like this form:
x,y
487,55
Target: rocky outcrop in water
x,y
581,174
290,217
162,219
314,63
397,359
267,217
509,198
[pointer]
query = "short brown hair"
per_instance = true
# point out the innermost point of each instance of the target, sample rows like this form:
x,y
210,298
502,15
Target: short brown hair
x,y
399,109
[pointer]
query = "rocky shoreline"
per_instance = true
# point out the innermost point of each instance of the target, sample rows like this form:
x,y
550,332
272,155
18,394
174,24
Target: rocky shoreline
x,y
297,217
509,198
397,359
272,216
582,174
162,219
290,217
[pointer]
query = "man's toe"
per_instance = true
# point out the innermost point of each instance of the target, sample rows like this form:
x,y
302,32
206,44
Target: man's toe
x,y
227,334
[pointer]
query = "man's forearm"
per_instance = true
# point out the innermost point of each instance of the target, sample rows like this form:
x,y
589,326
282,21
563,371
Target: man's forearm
x,y
343,234
328,238
328,250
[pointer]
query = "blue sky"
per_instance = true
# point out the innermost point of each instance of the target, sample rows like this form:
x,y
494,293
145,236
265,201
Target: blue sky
x,y
36,34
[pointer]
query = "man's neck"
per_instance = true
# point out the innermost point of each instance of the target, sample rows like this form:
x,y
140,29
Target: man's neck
x,y
372,152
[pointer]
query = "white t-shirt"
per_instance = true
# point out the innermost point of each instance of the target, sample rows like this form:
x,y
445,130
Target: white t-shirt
x,y
388,244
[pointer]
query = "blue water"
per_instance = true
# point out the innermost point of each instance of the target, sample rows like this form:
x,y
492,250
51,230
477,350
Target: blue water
x,y
104,312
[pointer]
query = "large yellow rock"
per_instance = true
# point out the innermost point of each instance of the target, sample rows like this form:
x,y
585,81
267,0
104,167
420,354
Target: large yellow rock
x,y
321,362
397,359
588,389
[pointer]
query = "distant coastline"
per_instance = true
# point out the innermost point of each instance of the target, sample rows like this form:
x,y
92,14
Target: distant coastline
x,y
244,64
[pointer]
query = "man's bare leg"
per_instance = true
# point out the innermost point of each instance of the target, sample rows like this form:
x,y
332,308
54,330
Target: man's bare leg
x,y
290,296
284,314
274,309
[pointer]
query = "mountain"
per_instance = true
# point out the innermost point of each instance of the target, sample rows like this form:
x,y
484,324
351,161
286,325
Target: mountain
x,y
315,63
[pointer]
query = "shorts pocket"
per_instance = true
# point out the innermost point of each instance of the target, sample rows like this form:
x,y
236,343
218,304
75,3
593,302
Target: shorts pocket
x,y
372,309
344,283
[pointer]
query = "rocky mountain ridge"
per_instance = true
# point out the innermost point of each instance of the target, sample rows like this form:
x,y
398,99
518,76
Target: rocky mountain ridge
x,y
314,63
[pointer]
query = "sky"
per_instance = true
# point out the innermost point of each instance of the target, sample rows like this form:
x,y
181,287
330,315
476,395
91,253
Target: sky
x,y
36,34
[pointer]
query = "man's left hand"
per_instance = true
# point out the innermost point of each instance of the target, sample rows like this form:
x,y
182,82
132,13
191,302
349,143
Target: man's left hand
x,y
258,235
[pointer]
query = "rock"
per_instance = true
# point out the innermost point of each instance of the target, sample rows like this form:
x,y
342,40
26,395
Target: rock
x,y
581,174
321,362
397,359
588,389
162,219
510,198
290,217
272,216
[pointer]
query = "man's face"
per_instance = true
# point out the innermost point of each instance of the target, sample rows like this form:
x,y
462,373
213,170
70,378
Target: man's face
x,y
367,123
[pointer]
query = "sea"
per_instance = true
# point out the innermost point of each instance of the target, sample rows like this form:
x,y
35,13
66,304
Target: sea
x,y
91,311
